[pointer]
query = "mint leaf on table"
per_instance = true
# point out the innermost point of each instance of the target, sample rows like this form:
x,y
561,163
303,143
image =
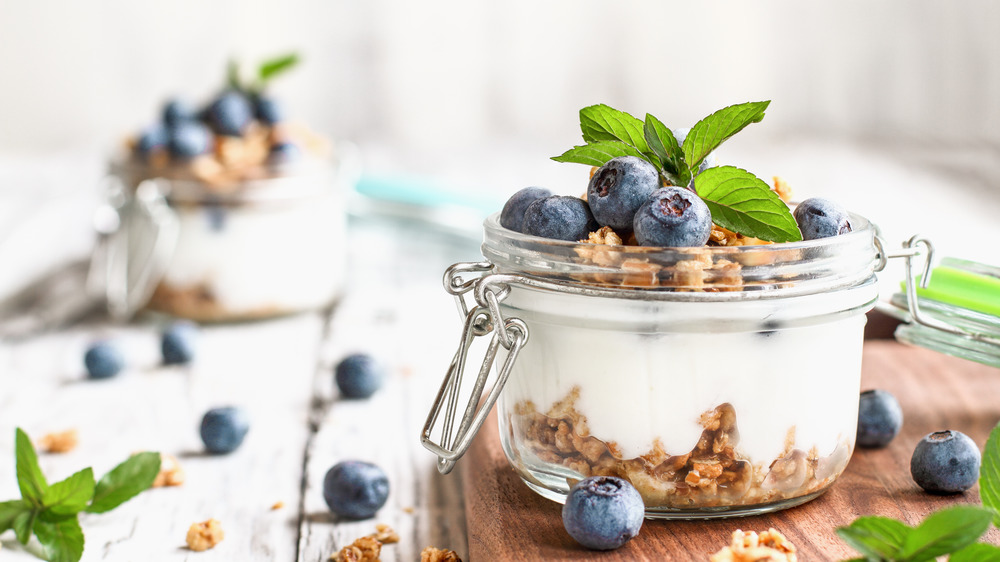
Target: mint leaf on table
x,y
275,66
62,540
662,142
9,511
878,537
597,153
30,479
125,481
72,495
989,475
710,132
946,530
743,203
977,552
603,123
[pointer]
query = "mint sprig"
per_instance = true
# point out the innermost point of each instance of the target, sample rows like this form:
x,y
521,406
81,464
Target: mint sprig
x,y
738,203
267,71
51,512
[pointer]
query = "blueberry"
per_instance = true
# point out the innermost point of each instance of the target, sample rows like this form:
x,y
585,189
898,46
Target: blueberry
x,y
355,489
945,462
673,216
223,429
268,111
879,418
103,360
603,512
283,153
618,188
821,218
151,138
179,343
512,215
358,376
560,217
230,113
189,139
177,111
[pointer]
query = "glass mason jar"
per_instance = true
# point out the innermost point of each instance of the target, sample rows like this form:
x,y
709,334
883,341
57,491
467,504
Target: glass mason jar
x,y
256,248
719,381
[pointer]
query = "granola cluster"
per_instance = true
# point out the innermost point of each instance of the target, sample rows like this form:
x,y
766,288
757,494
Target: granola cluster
x,y
432,554
171,473
59,441
712,474
369,547
769,546
205,535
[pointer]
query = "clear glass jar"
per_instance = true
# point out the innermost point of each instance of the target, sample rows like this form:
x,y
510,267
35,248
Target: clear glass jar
x,y
256,248
719,381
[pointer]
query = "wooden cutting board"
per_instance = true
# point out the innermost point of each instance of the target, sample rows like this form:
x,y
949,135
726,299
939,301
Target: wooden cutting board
x,y
507,521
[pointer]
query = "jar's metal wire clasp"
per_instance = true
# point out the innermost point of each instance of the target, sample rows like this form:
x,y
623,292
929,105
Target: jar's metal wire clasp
x,y
481,318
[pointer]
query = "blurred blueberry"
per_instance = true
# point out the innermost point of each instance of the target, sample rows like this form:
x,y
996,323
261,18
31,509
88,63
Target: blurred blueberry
x,y
103,360
559,217
179,343
945,462
284,153
230,113
177,111
359,376
223,429
512,215
355,489
603,512
821,218
189,139
618,188
151,138
879,418
268,110
673,216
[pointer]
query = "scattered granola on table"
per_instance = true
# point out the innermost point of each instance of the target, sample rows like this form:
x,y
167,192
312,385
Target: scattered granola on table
x,y
59,441
769,546
369,547
432,554
171,473
277,505
385,534
205,535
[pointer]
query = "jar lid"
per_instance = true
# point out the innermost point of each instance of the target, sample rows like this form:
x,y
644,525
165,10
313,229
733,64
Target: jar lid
x,y
699,273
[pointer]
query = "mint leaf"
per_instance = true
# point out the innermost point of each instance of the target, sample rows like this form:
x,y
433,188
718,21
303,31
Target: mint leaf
x,y
977,552
70,496
272,67
29,476
597,153
125,481
945,531
603,123
879,537
23,525
9,511
989,475
664,145
63,540
710,132
743,203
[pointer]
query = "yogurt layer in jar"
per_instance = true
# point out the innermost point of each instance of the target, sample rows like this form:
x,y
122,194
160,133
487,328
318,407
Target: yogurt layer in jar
x,y
719,381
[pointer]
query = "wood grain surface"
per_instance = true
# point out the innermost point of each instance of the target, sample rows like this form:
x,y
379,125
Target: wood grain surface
x,y
507,521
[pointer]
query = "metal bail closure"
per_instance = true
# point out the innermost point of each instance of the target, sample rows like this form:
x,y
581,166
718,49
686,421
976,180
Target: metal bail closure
x,y
481,320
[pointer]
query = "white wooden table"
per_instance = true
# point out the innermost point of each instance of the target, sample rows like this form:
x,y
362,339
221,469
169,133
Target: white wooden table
x,y
281,371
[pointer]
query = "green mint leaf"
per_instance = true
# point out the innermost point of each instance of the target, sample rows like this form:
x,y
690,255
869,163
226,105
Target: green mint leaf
x,y
72,495
710,132
62,540
977,552
273,67
29,476
597,153
9,511
945,531
743,203
603,123
878,537
23,524
989,475
664,145
125,481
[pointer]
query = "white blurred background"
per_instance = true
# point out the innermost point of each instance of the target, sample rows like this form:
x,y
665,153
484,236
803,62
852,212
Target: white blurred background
x,y
889,107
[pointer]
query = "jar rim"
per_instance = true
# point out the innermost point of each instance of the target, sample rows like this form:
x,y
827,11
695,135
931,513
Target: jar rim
x,y
760,271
